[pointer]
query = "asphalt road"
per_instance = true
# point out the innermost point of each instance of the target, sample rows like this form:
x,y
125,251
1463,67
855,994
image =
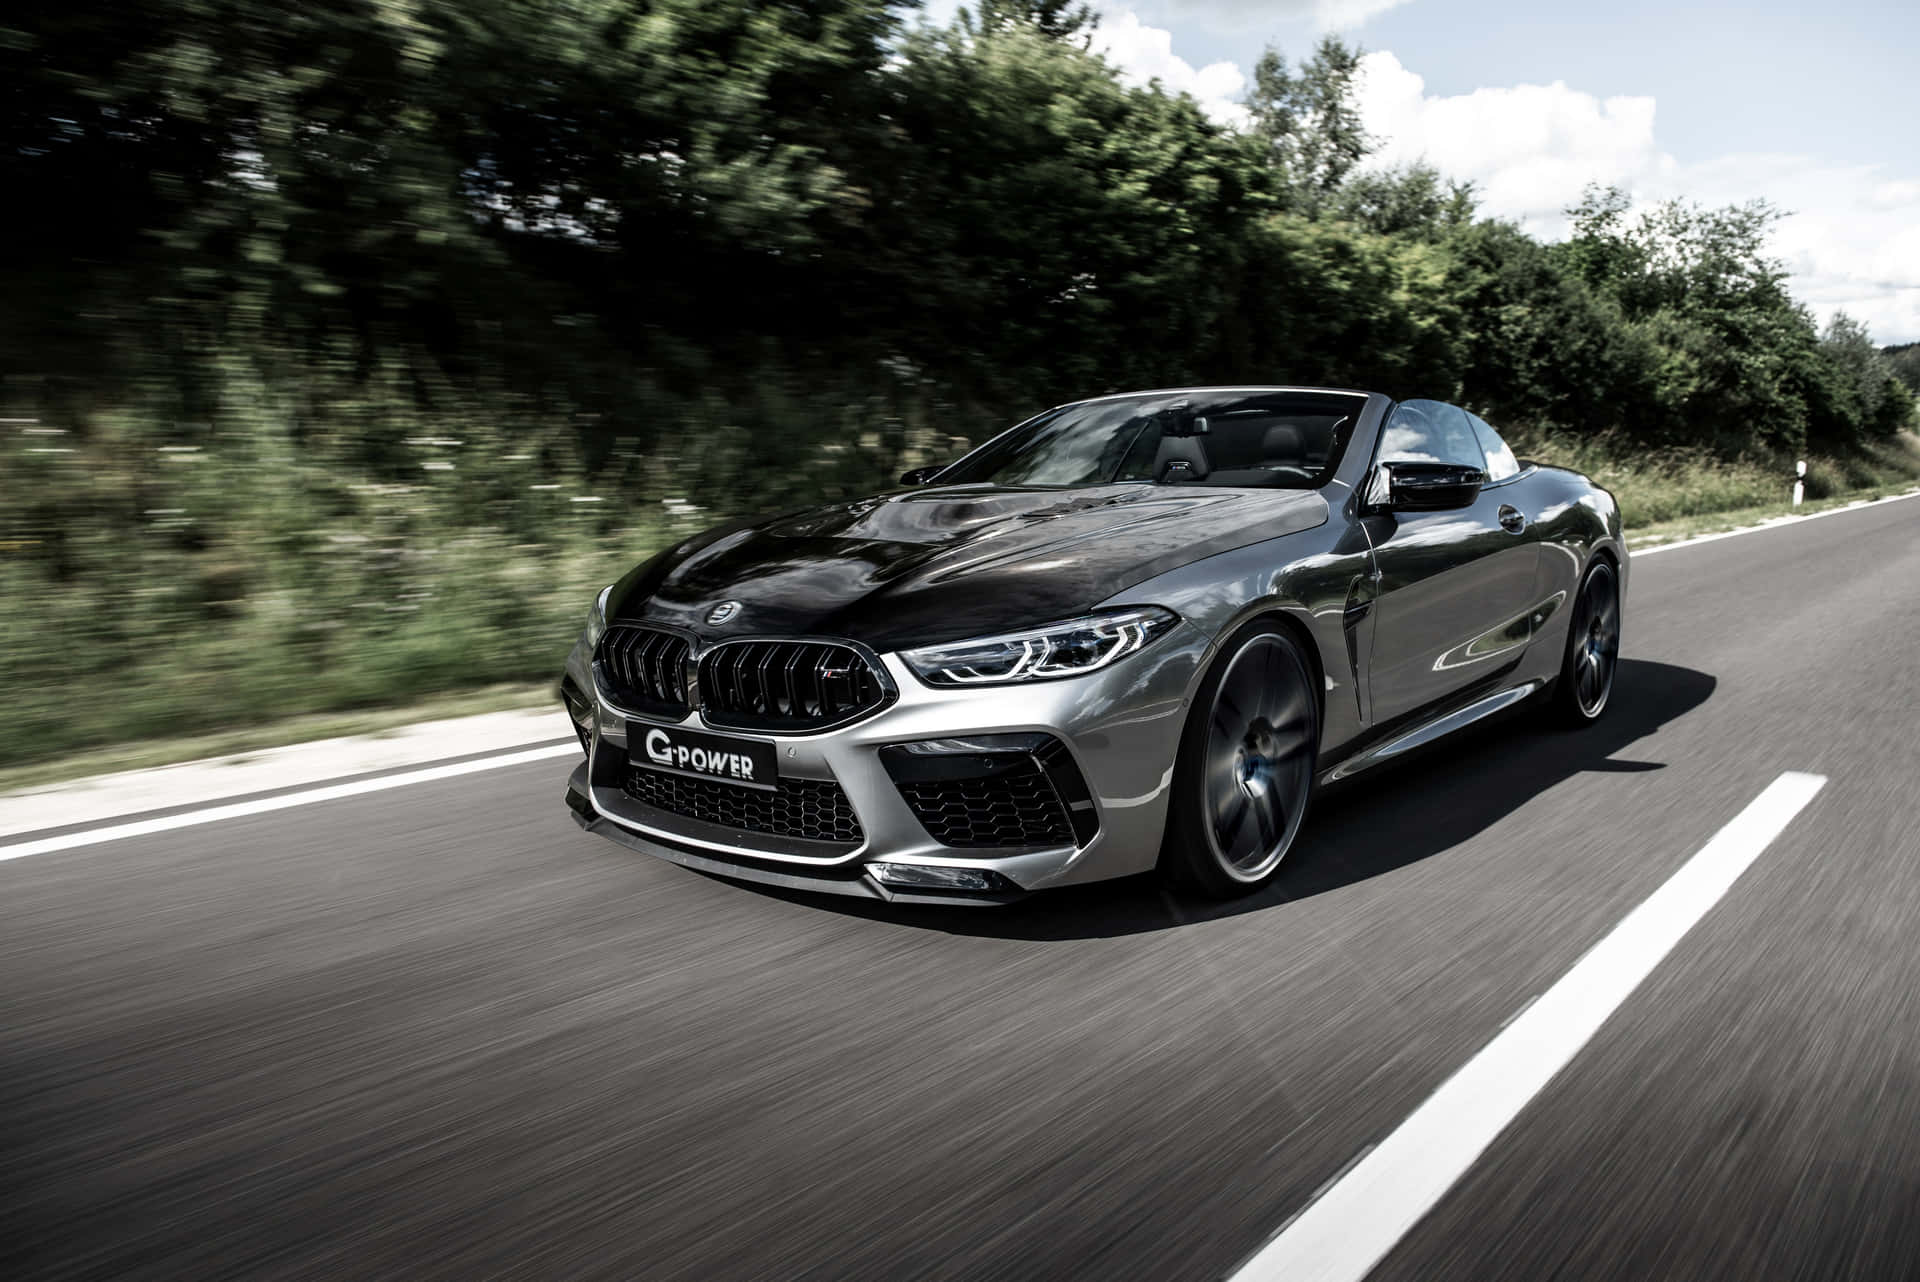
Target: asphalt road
x,y
437,1032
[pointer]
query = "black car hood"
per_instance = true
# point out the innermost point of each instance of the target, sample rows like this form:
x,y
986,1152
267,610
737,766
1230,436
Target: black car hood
x,y
939,565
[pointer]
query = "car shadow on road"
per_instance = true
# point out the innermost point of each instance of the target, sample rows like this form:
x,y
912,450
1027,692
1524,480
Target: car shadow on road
x,y
1382,820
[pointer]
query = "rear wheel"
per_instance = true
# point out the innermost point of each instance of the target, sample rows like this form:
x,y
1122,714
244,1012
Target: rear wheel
x,y
1245,770
1593,648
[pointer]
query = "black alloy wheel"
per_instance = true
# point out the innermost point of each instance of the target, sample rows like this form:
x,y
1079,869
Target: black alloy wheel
x,y
1245,772
1593,648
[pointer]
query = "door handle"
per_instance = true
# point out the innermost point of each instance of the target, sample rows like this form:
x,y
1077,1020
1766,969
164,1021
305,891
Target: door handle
x,y
1511,520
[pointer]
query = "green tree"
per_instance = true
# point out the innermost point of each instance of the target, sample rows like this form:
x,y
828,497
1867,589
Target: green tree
x,y
1308,120
1736,356
1904,362
1055,19
1319,301
1043,229
1862,395
1599,248
1412,201
1540,345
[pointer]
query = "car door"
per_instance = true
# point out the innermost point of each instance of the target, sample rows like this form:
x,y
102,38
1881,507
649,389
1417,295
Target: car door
x,y
1557,533
1453,587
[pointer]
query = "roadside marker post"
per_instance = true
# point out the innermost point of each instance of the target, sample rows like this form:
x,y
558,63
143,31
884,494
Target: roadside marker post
x,y
1799,481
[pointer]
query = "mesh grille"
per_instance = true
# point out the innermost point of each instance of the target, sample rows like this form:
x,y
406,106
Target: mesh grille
x,y
644,669
814,809
787,685
1015,808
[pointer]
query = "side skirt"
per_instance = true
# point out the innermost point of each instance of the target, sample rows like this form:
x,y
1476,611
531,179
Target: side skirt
x,y
1427,732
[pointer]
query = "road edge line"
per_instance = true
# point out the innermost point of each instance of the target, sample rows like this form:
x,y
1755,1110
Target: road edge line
x,y
286,801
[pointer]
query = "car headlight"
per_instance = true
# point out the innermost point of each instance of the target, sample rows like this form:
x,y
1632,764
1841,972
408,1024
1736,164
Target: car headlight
x,y
597,618
1070,648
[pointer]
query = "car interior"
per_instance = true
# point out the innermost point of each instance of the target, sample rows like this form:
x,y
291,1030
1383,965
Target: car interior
x,y
1251,446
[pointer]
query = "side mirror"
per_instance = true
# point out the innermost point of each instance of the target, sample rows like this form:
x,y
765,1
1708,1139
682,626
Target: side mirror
x,y
1431,487
921,475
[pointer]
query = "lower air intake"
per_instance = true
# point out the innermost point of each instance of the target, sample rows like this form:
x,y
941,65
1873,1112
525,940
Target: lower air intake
x,y
1013,809
1002,790
811,809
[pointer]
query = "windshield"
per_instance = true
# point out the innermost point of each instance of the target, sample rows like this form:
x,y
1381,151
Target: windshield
x,y
1288,440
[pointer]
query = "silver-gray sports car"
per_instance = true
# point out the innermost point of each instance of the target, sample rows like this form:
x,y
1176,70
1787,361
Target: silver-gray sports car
x,y
1131,633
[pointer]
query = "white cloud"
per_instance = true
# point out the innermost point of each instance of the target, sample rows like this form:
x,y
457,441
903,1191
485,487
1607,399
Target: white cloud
x,y
1344,15
1328,15
1144,53
1852,240
1848,246
1530,149
1897,195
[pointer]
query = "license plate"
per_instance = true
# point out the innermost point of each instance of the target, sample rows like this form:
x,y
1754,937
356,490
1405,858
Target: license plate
x,y
748,763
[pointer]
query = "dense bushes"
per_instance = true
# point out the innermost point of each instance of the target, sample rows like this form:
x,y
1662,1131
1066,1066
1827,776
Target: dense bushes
x,y
618,215
356,340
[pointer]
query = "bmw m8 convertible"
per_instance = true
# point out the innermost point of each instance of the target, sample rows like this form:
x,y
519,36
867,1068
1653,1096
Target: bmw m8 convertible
x,y
1132,633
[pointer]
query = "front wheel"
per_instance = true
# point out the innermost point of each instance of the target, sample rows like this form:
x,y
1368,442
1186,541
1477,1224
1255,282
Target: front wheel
x,y
1244,775
1593,649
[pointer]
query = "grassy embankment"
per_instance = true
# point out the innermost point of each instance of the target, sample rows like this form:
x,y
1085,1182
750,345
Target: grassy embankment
x,y
231,615
1671,494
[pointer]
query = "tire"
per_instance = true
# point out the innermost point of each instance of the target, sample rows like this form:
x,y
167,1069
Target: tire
x,y
1244,775
1585,684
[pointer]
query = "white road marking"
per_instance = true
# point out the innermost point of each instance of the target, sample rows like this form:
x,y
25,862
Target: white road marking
x,y
239,809
1352,1226
308,764
1773,523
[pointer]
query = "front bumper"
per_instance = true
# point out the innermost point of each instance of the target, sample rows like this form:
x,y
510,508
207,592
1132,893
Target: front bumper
x,y
854,883
1121,726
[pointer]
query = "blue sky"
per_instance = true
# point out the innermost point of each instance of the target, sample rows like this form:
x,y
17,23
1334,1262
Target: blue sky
x,y
1813,107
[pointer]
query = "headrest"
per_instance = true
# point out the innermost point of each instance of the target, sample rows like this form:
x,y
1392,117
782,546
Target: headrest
x,y
1181,449
1282,441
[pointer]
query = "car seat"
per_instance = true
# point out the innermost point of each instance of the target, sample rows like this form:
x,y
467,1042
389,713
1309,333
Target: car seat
x,y
1180,458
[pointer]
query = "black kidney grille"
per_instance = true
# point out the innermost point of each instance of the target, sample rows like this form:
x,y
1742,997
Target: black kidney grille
x,y
1017,807
788,685
814,809
644,669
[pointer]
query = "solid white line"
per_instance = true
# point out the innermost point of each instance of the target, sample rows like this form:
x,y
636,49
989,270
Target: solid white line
x,y
309,764
1341,1236
1772,523
238,809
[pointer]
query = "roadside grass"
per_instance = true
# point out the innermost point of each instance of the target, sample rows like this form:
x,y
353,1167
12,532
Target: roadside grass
x,y
476,627
1687,527
227,612
273,619
1657,488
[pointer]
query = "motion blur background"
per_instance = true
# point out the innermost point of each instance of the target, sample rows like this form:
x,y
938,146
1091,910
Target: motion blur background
x,y
348,346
